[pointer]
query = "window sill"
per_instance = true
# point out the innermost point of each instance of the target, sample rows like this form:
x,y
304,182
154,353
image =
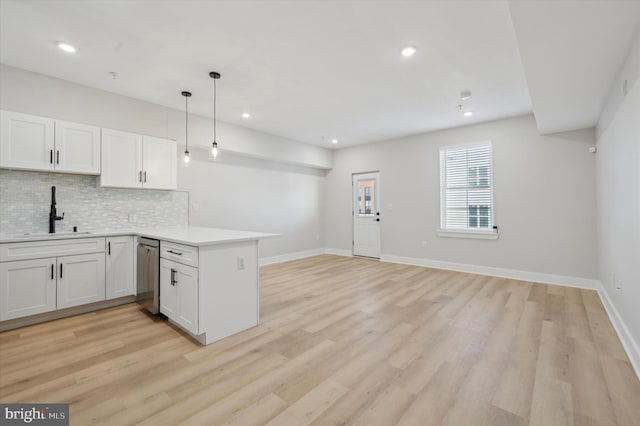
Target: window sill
x,y
477,235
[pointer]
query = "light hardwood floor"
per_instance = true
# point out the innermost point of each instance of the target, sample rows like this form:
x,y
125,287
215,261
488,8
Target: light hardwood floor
x,y
342,341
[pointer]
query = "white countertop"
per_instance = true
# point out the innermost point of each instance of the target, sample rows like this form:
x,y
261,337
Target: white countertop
x,y
190,235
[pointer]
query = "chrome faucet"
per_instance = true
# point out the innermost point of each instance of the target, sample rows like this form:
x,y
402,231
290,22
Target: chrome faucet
x,y
53,214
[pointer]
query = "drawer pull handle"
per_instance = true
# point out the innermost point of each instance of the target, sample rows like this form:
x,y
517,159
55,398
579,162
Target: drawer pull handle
x,y
61,270
174,281
174,252
52,271
57,157
109,249
51,156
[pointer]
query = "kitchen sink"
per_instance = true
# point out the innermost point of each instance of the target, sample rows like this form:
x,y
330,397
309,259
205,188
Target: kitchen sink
x,y
46,234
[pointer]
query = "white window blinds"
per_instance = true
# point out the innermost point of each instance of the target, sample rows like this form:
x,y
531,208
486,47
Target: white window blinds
x,y
466,188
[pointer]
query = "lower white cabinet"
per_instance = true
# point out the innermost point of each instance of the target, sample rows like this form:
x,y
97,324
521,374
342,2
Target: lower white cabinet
x,y
120,261
27,287
81,279
179,294
42,276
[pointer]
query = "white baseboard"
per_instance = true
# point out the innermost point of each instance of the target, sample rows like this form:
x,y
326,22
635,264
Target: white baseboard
x,y
338,252
630,345
289,256
515,274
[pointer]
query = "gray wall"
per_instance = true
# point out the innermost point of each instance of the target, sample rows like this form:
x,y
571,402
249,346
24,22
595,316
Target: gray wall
x,y
254,195
618,183
544,196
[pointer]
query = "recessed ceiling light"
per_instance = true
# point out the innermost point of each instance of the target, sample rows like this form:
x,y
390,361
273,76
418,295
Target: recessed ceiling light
x,y
246,115
334,141
468,113
408,51
66,47
465,94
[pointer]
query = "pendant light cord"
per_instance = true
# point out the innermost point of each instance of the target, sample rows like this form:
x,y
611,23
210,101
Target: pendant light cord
x,y
186,122
214,109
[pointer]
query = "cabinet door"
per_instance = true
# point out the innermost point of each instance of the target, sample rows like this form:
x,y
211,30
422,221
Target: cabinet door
x,y
179,294
26,141
160,163
27,287
187,285
121,159
168,290
120,267
77,148
81,279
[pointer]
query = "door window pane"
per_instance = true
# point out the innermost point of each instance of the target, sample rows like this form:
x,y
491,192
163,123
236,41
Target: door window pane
x,y
366,197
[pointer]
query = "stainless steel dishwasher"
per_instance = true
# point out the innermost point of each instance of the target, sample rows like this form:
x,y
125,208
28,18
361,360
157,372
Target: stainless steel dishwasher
x,y
148,280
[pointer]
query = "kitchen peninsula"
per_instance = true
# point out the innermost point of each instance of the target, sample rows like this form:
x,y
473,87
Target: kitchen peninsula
x,y
208,276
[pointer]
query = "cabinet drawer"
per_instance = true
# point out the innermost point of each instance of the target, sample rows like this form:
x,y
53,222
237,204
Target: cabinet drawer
x,y
40,249
187,255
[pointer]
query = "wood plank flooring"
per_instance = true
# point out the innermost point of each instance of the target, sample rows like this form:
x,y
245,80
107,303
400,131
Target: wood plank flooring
x,y
342,341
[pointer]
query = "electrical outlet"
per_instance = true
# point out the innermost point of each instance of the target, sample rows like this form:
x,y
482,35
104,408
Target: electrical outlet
x,y
423,244
132,218
240,263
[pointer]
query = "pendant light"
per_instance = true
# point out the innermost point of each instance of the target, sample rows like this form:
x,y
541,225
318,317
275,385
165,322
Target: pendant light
x,y
213,152
186,157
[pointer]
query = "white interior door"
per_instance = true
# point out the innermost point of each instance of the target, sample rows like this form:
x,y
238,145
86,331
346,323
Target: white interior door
x,y
366,214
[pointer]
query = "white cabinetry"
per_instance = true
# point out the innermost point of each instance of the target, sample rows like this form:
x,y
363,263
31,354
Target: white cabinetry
x,y
179,294
121,159
130,160
42,276
159,163
120,278
80,280
26,141
210,291
37,143
27,287
77,148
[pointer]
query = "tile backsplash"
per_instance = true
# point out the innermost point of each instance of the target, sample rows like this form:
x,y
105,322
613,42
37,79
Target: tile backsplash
x,y
25,198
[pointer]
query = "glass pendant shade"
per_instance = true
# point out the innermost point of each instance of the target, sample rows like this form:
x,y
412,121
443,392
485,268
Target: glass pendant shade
x,y
213,152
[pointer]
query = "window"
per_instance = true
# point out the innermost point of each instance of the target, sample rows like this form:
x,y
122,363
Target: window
x,y
466,188
366,199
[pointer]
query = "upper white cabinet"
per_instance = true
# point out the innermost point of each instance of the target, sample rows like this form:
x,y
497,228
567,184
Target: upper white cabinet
x,y
37,143
27,141
134,161
121,159
77,148
160,163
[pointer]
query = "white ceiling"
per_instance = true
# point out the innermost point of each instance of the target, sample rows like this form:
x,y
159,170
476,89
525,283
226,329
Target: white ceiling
x,y
572,52
310,69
